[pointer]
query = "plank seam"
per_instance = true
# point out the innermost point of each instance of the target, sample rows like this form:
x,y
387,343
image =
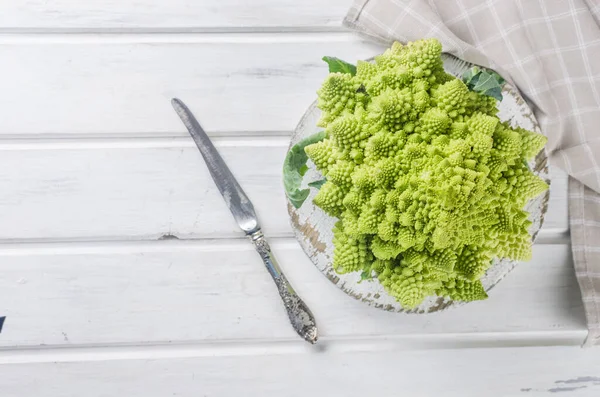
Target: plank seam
x,y
180,38
336,345
19,137
138,142
338,28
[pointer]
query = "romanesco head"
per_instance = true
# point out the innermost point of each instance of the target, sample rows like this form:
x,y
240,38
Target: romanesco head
x,y
427,183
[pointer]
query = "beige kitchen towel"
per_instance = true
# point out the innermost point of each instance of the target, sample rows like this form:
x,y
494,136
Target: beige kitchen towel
x,y
550,50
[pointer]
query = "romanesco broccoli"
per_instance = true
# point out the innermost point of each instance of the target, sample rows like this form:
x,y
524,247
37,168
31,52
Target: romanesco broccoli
x,y
428,185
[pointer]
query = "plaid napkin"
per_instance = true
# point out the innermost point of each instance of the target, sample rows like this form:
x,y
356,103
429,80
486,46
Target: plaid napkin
x,y
549,50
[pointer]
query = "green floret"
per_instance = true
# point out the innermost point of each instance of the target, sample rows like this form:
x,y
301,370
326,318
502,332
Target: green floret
x,y
409,283
381,145
396,78
365,71
324,154
410,290
355,199
369,220
385,249
428,185
387,171
458,130
472,263
483,124
463,290
350,253
423,57
481,145
350,223
338,93
330,198
433,122
451,97
340,173
391,110
531,143
363,178
507,144
347,131
520,184
488,105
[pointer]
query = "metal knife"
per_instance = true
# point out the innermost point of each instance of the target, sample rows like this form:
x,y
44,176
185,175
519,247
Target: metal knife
x,y
242,209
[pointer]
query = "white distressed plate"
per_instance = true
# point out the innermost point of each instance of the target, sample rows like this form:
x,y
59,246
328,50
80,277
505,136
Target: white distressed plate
x,y
313,228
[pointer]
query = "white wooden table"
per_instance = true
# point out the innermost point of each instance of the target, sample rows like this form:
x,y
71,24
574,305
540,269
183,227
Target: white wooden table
x,y
96,170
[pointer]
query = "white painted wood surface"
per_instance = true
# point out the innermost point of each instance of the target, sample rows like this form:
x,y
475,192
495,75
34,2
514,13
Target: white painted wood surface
x,y
95,167
122,84
527,371
171,15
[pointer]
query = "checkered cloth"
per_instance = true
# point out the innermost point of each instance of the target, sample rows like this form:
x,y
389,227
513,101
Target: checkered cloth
x,y
548,49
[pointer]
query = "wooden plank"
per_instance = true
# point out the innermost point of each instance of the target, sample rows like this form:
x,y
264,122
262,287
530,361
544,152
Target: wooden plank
x,y
170,14
106,189
182,291
144,192
120,84
449,373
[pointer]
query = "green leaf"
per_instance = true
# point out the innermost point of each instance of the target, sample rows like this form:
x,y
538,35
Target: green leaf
x,y
294,168
470,74
297,197
486,82
365,275
337,65
317,184
495,92
303,170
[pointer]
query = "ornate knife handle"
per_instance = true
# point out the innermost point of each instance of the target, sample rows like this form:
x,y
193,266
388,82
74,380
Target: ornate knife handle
x,y
300,315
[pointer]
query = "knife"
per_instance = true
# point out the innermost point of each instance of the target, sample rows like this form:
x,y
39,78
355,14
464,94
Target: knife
x,y
242,209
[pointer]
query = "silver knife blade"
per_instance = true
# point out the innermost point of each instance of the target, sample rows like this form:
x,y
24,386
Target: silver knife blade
x,y
239,204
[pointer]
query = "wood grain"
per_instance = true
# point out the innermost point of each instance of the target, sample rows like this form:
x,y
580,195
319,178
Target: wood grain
x,y
155,292
121,84
107,189
474,372
154,15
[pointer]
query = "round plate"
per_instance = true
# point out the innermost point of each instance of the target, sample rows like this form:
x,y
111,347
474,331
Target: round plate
x,y
313,228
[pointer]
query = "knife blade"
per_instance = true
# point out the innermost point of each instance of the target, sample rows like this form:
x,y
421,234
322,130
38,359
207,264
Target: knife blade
x,y
243,212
